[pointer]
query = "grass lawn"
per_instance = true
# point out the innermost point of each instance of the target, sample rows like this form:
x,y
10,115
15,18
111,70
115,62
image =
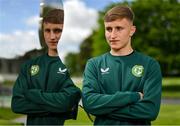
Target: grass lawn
x,y
169,115
82,119
171,81
8,123
171,87
6,115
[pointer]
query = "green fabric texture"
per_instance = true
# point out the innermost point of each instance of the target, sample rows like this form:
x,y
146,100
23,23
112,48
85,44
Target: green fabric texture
x,y
45,93
111,85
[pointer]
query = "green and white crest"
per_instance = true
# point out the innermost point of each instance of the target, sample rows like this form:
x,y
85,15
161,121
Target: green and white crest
x,y
138,70
34,70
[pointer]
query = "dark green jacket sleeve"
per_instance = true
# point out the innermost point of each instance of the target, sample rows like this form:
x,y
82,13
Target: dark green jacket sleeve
x,y
148,108
95,102
61,101
19,103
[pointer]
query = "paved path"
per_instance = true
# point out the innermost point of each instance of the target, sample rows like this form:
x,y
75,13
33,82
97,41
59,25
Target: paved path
x,y
170,101
20,120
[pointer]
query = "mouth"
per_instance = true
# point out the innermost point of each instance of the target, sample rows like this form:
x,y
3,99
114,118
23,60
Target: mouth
x,y
113,41
53,42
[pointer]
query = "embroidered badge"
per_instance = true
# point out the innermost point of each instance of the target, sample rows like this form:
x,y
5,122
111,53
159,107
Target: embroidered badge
x,y
138,70
34,70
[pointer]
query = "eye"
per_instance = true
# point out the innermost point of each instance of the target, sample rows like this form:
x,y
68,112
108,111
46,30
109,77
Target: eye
x,y
57,30
109,29
119,28
47,30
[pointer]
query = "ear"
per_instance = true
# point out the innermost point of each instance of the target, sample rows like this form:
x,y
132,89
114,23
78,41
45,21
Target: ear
x,y
133,30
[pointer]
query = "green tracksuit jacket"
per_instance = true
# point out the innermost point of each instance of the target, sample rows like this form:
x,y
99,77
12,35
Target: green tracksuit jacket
x,y
111,85
45,92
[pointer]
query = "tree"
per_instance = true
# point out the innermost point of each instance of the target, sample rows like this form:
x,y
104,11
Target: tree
x,y
158,30
71,61
76,61
86,50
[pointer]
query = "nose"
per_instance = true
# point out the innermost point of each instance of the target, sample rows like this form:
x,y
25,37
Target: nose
x,y
113,34
52,35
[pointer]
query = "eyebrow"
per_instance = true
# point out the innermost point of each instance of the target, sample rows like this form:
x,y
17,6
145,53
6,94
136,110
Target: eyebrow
x,y
55,29
58,29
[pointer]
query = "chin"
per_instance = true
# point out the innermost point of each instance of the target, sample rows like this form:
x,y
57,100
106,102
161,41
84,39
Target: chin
x,y
115,48
53,48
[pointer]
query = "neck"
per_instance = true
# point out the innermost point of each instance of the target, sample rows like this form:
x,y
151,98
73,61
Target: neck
x,y
52,52
125,50
121,52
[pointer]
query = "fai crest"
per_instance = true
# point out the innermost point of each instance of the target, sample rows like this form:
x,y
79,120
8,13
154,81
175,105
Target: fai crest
x,y
138,70
34,70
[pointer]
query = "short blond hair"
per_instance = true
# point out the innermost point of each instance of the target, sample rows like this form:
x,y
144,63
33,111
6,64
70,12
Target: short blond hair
x,y
119,12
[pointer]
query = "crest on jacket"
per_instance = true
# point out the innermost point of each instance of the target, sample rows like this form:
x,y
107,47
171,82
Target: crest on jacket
x,y
34,70
138,70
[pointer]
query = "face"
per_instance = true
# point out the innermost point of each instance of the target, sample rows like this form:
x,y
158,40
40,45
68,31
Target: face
x,y
52,33
118,34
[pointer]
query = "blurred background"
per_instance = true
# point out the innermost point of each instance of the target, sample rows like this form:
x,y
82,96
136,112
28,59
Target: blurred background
x,y
157,35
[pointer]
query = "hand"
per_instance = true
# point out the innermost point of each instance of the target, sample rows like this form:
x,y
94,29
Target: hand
x,y
141,95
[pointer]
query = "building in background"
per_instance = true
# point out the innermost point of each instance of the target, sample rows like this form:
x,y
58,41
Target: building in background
x,y
9,68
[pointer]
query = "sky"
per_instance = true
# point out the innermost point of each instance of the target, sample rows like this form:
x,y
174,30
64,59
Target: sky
x,y
19,22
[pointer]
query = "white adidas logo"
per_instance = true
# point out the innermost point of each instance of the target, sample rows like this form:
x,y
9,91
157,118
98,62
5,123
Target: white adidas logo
x,y
105,71
62,71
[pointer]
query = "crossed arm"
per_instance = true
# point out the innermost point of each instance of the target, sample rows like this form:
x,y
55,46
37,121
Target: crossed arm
x,y
35,101
127,105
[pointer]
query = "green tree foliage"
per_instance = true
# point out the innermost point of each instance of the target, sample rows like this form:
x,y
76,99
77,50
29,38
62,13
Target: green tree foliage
x,y
158,30
85,52
71,61
99,45
76,61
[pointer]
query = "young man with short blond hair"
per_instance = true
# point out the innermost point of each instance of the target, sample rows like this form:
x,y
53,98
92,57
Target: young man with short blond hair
x,y
123,86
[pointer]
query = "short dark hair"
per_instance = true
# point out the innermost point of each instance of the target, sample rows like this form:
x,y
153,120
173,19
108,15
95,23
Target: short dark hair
x,y
119,12
55,16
